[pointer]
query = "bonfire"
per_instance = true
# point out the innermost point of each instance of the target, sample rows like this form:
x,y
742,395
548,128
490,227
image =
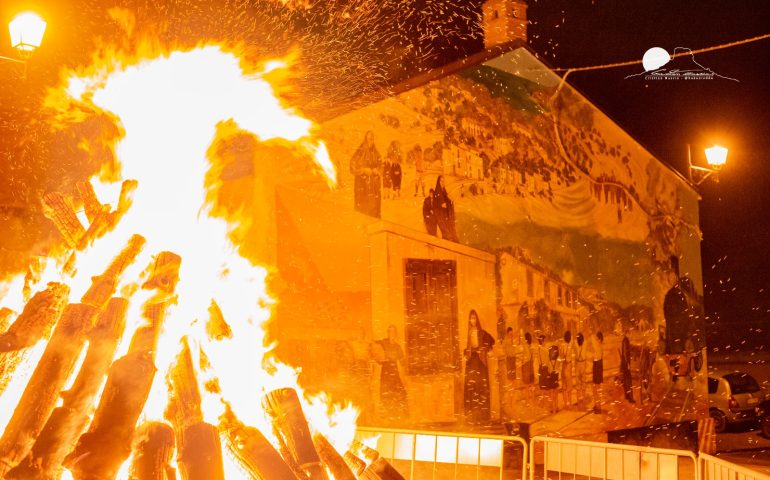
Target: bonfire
x,y
140,350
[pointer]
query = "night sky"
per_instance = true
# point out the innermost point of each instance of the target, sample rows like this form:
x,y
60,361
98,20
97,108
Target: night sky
x,y
664,116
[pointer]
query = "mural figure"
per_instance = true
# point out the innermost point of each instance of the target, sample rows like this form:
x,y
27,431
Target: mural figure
x,y
567,368
528,368
548,376
597,369
429,215
502,321
683,312
625,367
365,166
476,388
392,391
387,176
580,366
646,362
445,211
419,169
510,347
392,174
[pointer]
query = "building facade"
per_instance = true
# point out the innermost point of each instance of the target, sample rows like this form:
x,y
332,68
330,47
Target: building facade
x,y
489,191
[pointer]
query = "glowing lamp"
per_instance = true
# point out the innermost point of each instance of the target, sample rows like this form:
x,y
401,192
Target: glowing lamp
x,y
716,156
27,31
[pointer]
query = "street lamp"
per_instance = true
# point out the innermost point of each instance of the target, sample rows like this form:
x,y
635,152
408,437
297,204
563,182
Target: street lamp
x,y
716,157
26,31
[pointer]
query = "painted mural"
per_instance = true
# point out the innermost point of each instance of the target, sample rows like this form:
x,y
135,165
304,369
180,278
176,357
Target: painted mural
x,y
497,251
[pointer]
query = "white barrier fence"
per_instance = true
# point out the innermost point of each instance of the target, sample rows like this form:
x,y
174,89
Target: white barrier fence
x,y
713,468
571,458
434,455
448,455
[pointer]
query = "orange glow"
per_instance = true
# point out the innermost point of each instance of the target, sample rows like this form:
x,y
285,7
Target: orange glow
x,y
168,106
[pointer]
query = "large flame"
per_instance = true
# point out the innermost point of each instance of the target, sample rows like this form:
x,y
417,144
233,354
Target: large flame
x,y
168,105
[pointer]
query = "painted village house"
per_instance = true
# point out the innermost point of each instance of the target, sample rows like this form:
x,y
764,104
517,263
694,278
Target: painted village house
x,y
551,219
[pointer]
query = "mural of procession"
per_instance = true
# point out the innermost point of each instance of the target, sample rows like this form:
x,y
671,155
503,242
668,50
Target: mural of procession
x,y
526,261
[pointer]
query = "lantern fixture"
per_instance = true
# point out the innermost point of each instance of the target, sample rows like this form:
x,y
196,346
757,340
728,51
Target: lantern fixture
x,y
716,157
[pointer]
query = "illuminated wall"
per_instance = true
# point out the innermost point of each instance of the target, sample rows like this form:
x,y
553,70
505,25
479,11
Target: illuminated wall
x,y
558,221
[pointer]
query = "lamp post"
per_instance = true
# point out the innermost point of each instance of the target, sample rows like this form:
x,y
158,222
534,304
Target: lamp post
x,y
26,31
716,157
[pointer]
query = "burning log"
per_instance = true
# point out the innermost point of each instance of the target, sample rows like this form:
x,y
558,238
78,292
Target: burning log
x,y
254,452
42,392
355,464
60,212
289,420
379,468
184,407
100,451
333,460
68,421
153,450
101,220
5,318
36,320
91,204
200,458
103,287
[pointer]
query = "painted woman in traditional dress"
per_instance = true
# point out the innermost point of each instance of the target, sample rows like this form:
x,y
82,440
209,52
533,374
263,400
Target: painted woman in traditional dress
x,y
476,388
392,390
366,166
445,210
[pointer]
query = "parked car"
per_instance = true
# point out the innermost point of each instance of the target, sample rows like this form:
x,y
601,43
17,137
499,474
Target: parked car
x,y
763,415
733,398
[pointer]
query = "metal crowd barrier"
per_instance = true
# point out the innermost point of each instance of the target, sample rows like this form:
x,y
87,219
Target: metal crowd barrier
x,y
423,455
713,468
572,459
433,455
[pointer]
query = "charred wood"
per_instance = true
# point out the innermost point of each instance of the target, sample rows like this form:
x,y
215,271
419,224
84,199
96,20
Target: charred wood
x,y
369,454
380,469
107,443
289,420
200,458
37,319
91,204
184,407
333,460
254,452
60,212
6,315
67,422
42,392
103,287
153,451
355,464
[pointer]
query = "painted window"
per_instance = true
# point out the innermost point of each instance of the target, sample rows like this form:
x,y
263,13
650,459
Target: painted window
x,y
430,293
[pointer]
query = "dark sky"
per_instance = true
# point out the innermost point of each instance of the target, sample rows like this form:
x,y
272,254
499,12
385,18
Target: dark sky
x,y
664,116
